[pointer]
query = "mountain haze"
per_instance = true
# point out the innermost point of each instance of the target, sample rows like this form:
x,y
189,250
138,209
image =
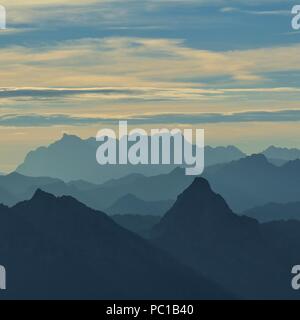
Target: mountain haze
x,y
58,248
243,256
54,161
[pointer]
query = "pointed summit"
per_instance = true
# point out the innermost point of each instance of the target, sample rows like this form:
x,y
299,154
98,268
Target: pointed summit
x,y
199,212
201,231
42,195
76,252
199,197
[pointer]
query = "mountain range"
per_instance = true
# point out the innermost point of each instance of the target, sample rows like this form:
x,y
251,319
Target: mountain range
x,y
275,211
200,249
254,181
284,154
245,183
149,194
54,161
251,260
57,248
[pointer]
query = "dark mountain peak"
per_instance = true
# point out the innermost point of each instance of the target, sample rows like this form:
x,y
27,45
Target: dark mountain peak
x,y
43,198
200,197
42,195
200,184
197,208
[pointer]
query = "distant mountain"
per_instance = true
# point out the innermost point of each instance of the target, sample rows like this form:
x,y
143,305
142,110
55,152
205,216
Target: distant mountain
x,y
254,181
57,248
17,183
219,155
72,158
246,183
275,211
157,188
282,153
153,192
142,225
252,260
130,204
15,187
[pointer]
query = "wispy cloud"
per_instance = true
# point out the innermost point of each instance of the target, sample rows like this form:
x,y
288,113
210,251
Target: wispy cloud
x,y
39,120
136,93
138,62
257,12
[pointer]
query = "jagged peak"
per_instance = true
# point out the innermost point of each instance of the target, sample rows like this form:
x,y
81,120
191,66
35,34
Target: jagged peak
x,y
200,189
40,194
71,137
277,148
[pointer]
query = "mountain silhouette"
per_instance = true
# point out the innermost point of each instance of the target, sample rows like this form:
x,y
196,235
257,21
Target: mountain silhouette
x,y
72,158
17,184
275,211
160,189
219,155
252,260
245,183
15,187
282,153
254,181
57,248
130,204
153,192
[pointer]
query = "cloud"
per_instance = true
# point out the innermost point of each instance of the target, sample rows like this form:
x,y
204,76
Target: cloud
x,y
138,62
257,12
135,93
39,120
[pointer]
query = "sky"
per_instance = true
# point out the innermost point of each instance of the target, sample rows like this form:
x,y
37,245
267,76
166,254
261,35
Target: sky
x,y
75,67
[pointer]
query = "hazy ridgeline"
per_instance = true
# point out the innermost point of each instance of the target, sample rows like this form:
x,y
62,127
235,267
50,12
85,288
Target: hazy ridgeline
x,y
167,235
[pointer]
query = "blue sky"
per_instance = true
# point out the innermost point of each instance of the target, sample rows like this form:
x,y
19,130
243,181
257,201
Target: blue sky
x,y
228,66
